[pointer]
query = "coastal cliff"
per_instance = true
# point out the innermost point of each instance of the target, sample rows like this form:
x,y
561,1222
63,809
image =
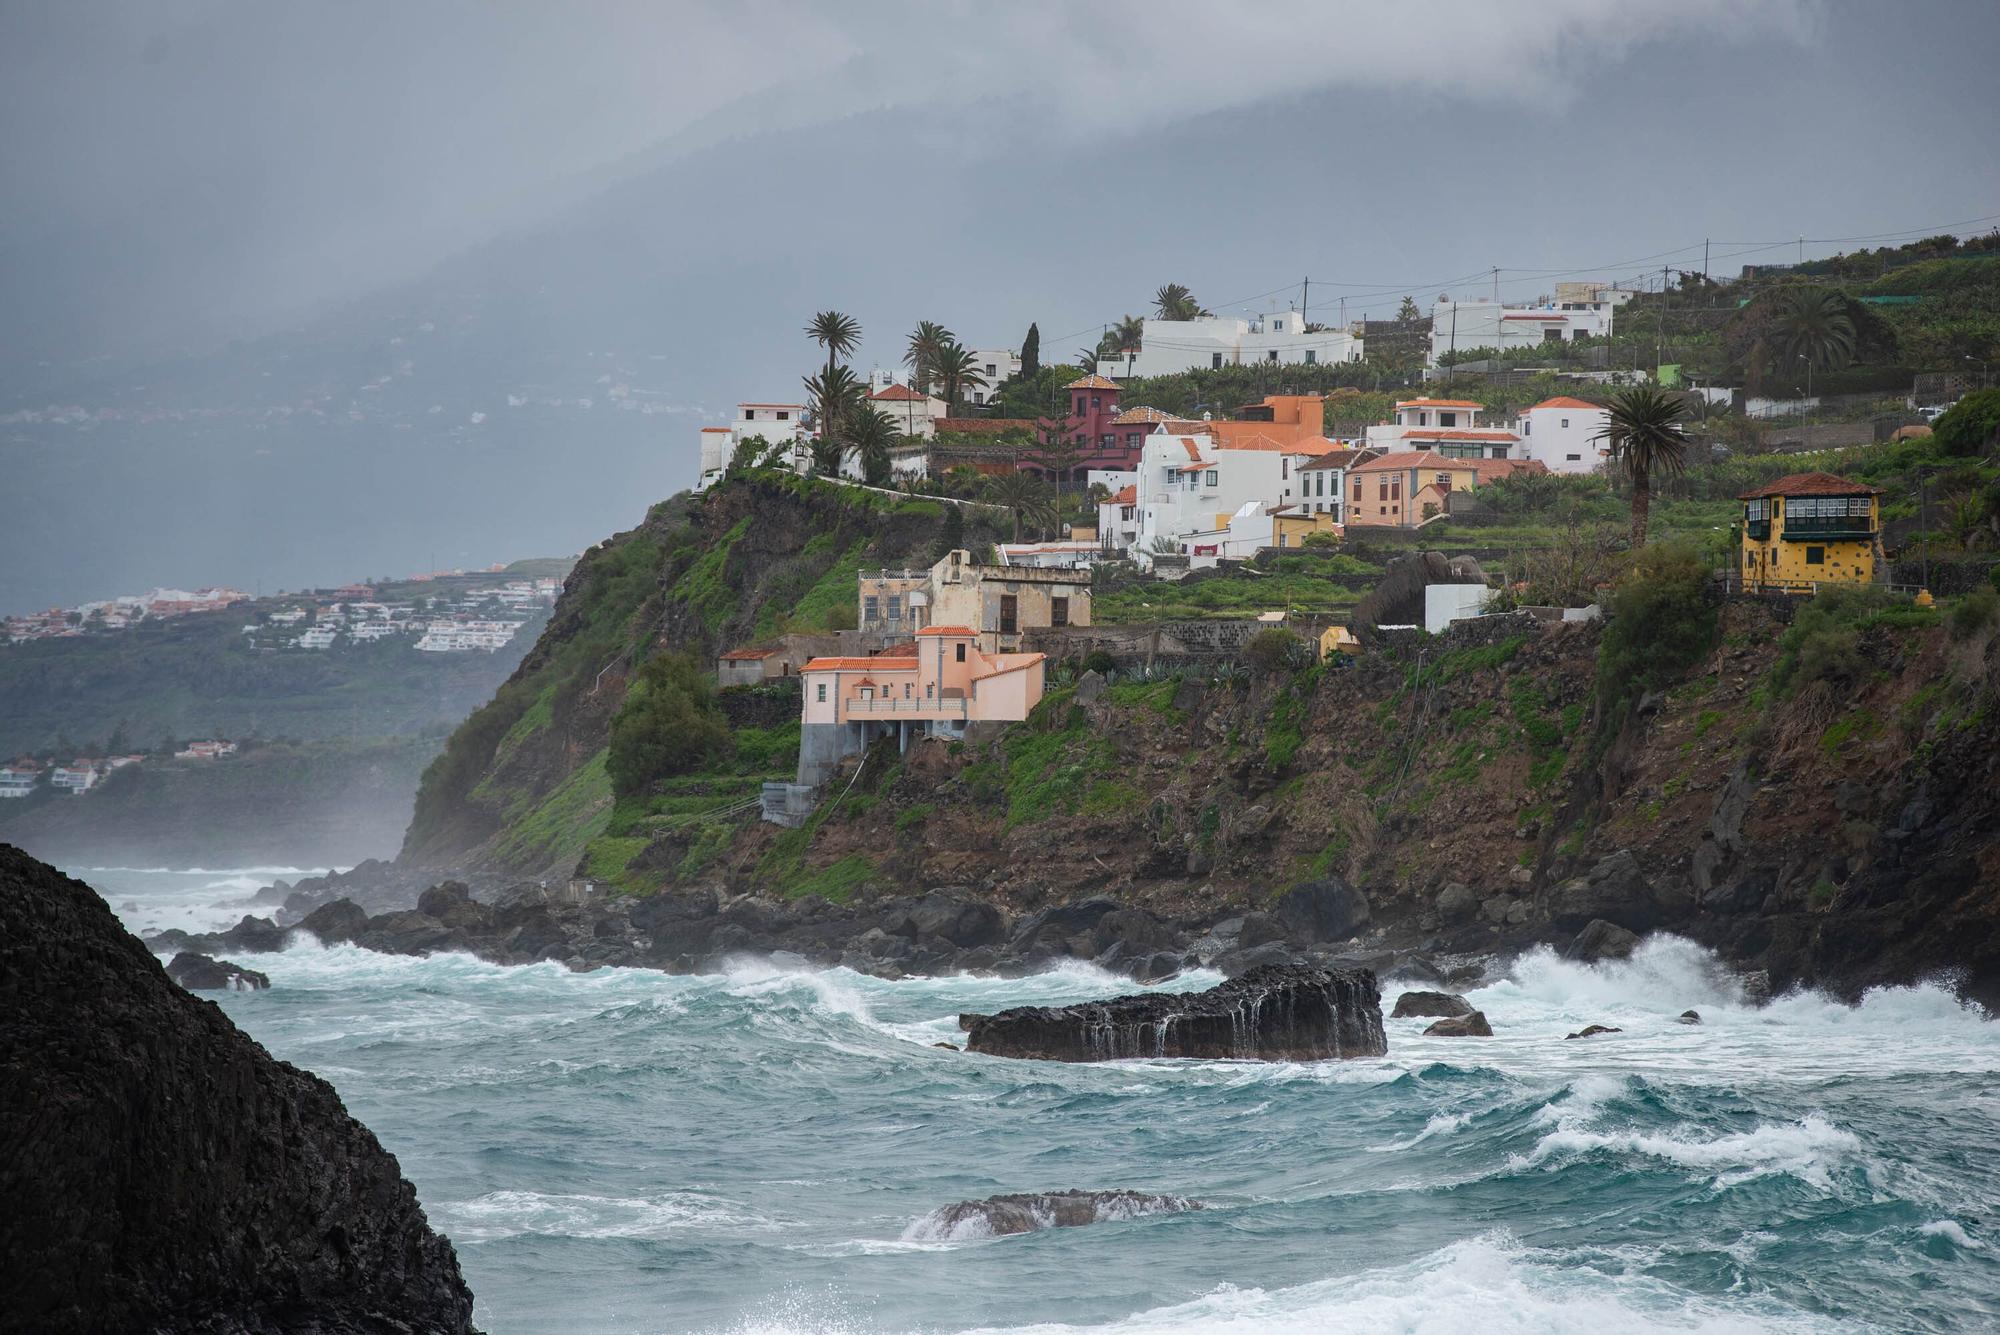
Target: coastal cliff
x,y
1808,787
163,1172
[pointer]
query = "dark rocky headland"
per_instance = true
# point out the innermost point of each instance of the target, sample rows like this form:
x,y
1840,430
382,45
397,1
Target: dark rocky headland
x,y
162,1172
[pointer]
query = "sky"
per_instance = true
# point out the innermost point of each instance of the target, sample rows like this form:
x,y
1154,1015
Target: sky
x,y
674,188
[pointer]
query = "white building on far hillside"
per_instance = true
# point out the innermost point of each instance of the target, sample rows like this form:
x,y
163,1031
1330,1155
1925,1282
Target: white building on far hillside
x,y
1170,346
994,365
1451,427
1564,434
1192,484
1462,326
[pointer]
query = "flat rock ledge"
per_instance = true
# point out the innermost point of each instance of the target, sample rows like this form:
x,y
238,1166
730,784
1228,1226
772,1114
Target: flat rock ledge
x,y
1281,1012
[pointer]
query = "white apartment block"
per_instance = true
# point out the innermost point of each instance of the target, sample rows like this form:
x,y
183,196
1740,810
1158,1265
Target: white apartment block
x,y
1280,338
1191,484
1451,427
1461,326
994,365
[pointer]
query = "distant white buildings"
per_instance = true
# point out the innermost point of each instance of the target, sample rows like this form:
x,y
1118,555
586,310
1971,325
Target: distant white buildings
x,y
1462,326
914,413
206,751
994,366
777,424
1451,427
1280,338
1563,433
19,780
1196,485
444,637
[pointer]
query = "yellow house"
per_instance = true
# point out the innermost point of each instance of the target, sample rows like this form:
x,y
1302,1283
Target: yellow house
x,y
1290,528
1809,529
1338,640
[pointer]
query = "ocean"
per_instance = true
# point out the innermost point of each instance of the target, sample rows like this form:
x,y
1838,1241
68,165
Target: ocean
x,y
624,1151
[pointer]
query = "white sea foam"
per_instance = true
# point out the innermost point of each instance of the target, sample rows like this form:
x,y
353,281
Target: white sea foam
x,y
1483,1284
1808,1150
1440,1124
1953,1232
510,1214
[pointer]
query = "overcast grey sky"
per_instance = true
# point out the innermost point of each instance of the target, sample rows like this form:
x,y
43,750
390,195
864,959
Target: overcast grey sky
x,y
188,169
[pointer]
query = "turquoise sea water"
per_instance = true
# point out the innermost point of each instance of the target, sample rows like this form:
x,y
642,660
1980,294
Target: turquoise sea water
x,y
625,1151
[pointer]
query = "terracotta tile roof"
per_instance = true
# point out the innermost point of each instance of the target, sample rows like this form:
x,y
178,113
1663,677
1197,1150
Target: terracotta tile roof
x,y
1193,450
860,664
1453,433
897,394
1563,401
723,429
1336,458
1027,661
1484,469
1132,416
1811,484
947,630
1093,382
1126,496
746,655
1259,442
1439,403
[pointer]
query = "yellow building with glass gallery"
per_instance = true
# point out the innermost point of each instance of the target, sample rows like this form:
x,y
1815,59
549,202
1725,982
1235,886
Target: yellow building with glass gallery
x,y
1809,529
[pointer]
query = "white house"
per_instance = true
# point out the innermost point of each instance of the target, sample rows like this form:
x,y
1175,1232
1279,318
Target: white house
x,y
913,412
319,637
1460,326
1563,433
1170,346
1118,519
78,778
775,423
994,365
1451,427
1323,482
18,781
1193,484
717,444
1246,532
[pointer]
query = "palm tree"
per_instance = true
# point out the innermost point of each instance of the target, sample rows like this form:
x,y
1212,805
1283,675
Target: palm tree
x,y
835,396
1813,324
1087,358
1643,433
870,432
957,371
1175,302
1026,496
921,353
838,334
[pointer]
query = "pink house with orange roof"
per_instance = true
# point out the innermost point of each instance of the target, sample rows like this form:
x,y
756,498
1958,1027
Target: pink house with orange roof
x,y
940,687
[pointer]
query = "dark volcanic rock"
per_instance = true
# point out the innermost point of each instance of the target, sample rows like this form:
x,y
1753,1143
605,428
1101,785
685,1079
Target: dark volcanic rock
x,y
259,935
1690,1017
999,1216
342,920
163,1172
1593,1030
199,973
1277,1013
1420,1004
1328,909
1472,1025
1601,940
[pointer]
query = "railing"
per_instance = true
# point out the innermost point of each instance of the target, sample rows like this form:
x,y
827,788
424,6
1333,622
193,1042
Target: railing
x,y
1820,527
1758,530
912,708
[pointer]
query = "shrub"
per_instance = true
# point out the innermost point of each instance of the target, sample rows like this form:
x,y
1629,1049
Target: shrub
x,y
1097,660
1320,542
1661,623
1972,422
668,725
1272,649
1975,612
1823,643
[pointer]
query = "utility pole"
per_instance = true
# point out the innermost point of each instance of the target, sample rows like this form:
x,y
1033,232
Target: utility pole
x,y
1704,261
1496,285
1924,518
1306,302
1660,341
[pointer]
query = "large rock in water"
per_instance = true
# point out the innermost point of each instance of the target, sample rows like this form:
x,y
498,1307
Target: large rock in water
x,y
199,973
1001,1216
161,1171
1281,1012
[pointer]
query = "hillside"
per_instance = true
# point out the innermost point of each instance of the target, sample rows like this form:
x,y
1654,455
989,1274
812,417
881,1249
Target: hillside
x,y
310,804
523,784
199,676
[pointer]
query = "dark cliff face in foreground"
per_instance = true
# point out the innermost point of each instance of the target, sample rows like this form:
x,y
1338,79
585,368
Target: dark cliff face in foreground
x,y
163,1172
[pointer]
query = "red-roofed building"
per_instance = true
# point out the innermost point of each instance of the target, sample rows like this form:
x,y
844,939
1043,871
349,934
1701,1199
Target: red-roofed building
x,y
1449,426
947,686
1808,529
1466,326
1564,433
914,412
1410,488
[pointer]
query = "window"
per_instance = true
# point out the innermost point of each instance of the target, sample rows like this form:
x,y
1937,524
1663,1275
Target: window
x,y
1173,476
1125,512
1312,358
1382,489
1271,356
1396,488
749,414
1574,458
784,417
1283,539
1058,611
1010,618
1444,481
1815,556
1096,401
1565,424
893,607
868,612
1447,419
1107,441
1277,326
1214,477
929,689
822,693
991,369
1215,360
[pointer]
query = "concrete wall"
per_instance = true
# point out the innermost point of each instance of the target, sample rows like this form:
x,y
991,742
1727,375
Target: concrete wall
x,y
1169,643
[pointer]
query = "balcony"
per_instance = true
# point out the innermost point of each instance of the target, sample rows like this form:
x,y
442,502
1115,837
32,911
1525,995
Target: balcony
x,y
889,708
1758,530
1825,528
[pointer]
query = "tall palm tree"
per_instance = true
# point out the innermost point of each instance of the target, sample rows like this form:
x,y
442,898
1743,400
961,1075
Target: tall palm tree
x,y
836,396
1087,358
1027,497
1175,302
1643,432
957,371
1813,324
870,432
838,334
920,353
